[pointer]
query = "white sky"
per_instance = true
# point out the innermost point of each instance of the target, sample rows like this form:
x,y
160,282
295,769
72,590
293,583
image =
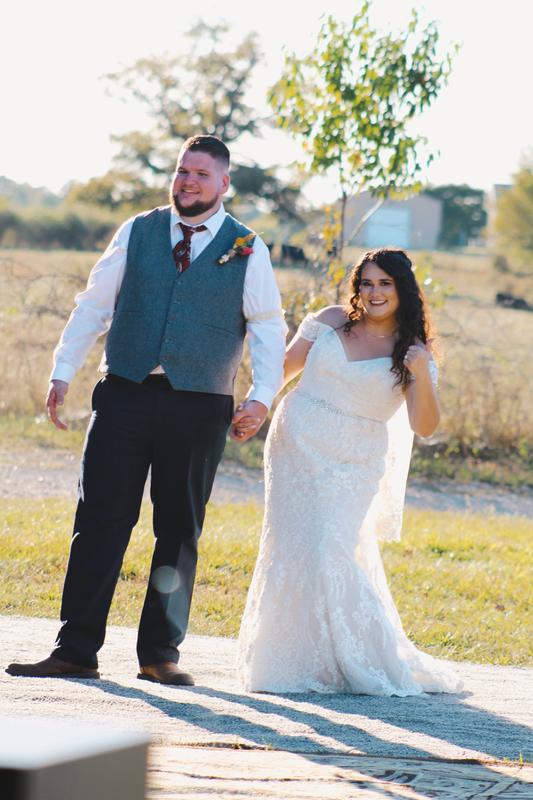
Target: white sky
x,y
57,119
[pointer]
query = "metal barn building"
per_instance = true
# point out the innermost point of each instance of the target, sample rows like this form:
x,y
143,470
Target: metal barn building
x,y
411,224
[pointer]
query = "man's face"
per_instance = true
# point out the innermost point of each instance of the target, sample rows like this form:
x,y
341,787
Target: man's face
x,y
199,184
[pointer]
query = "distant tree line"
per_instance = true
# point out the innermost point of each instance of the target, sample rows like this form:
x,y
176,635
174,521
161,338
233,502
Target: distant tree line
x,y
22,195
464,216
514,218
350,119
55,229
89,225
361,138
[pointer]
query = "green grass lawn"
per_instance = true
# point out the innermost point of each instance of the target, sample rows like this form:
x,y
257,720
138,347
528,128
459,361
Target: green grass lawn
x,y
461,582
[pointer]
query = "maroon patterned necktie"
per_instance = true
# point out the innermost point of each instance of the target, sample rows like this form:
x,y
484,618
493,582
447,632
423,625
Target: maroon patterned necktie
x,y
182,251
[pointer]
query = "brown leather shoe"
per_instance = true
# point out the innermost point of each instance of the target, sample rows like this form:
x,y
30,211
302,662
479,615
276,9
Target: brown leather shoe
x,y
52,667
166,673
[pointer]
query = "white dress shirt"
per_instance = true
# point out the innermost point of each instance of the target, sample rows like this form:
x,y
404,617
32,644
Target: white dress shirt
x,y
265,327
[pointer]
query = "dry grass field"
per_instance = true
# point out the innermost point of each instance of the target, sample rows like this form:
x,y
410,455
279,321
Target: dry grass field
x,y
486,382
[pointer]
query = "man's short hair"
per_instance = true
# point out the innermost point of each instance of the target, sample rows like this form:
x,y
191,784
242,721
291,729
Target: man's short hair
x,y
208,144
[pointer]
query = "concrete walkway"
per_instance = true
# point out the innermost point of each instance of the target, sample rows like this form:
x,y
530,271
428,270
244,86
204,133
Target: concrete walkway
x,y
214,740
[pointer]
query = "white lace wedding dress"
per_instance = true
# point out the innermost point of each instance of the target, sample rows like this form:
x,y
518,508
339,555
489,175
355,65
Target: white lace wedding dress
x,y
319,614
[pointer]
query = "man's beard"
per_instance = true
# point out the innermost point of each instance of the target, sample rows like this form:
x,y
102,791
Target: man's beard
x,y
196,209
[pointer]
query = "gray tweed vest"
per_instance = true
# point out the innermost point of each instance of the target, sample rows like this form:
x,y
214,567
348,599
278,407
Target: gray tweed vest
x,y
192,324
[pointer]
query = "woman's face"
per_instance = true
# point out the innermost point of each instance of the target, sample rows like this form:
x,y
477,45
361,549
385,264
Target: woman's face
x,y
378,293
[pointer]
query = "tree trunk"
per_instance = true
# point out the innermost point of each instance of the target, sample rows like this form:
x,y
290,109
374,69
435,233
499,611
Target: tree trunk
x,y
340,246
344,200
364,219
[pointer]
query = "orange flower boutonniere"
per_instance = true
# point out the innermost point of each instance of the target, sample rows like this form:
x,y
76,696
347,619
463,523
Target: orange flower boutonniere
x,y
241,247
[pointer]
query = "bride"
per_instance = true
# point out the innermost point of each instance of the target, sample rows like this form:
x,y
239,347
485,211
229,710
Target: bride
x,y
319,614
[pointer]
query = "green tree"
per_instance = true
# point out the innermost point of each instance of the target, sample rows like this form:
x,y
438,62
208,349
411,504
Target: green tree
x,y
22,195
203,92
260,186
118,189
463,213
352,102
514,216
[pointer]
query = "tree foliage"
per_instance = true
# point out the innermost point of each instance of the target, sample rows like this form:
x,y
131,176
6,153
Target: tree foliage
x,y
514,216
202,92
63,228
352,102
252,182
22,195
463,213
118,189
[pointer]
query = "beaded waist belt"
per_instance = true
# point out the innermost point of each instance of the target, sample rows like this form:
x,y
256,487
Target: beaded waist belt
x,y
318,401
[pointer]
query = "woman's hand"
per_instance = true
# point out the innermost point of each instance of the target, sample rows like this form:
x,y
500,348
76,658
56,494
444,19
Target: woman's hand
x,y
248,418
417,360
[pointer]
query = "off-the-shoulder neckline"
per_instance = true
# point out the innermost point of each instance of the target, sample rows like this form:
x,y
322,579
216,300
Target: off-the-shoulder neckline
x,y
356,360
352,360
349,360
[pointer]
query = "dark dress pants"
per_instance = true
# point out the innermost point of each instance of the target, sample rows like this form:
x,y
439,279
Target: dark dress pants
x,y
181,436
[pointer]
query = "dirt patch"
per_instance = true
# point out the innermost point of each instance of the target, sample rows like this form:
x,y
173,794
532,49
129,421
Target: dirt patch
x,y
40,473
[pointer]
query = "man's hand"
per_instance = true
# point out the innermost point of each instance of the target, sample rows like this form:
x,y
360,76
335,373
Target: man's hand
x,y
248,418
55,398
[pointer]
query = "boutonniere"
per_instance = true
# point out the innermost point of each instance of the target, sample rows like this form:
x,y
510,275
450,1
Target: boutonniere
x,y
240,247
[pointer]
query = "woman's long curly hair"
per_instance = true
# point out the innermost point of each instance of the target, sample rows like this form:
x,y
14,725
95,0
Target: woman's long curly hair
x,y
412,316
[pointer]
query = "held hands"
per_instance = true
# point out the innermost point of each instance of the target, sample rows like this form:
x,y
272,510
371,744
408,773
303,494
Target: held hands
x,y
417,359
55,398
248,418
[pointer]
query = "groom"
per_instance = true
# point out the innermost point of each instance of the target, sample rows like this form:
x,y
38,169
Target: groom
x,y
178,294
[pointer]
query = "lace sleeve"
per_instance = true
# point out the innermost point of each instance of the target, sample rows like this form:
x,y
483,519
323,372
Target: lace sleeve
x,y
310,328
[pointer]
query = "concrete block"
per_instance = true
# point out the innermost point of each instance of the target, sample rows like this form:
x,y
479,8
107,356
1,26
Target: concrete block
x,y
50,759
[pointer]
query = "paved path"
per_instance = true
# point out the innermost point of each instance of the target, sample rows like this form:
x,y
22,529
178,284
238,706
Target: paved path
x,y
213,740
36,473
194,774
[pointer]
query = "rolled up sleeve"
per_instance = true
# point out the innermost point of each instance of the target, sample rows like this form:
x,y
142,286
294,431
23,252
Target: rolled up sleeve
x,y
93,312
265,325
